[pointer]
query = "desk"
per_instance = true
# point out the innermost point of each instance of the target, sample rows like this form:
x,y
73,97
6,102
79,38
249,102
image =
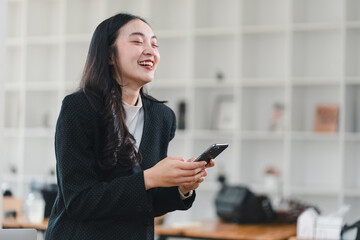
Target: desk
x,y
22,222
216,229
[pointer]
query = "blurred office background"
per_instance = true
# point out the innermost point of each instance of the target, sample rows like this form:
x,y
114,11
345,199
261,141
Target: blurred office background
x,y
252,73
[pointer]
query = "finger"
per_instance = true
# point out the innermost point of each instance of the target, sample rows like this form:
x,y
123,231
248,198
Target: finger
x,y
211,164
192,165
176,158
201,180
191,179
191,159
191,172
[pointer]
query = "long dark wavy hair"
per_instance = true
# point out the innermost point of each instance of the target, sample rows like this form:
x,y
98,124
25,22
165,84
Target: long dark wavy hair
x,y
98,79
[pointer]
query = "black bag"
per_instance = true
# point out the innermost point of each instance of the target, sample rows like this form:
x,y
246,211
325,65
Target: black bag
x,y
238,204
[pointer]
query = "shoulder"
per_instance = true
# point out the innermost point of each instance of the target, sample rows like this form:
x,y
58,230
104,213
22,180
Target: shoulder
x,y
77,103
160,109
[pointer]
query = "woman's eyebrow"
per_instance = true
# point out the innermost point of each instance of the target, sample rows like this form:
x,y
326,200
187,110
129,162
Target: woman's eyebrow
x,y
140,34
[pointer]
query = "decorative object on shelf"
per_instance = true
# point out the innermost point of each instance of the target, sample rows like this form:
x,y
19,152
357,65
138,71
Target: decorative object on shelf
x,y
223,113
181,115
272,183
219,76
13,168
277,121
326,118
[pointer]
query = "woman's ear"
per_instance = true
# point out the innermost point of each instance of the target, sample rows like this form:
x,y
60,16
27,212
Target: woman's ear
x,y
111,59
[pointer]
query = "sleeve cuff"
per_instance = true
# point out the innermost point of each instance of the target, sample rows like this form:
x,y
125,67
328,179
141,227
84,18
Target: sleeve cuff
x,y
183,197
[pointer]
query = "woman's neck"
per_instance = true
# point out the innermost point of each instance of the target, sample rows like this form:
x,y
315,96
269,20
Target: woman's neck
x,y
130,95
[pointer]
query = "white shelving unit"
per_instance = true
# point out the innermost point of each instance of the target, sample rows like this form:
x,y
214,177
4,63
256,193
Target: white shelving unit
x,y
248,54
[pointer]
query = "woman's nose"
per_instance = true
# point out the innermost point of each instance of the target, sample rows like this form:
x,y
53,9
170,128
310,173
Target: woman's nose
x,y
149,50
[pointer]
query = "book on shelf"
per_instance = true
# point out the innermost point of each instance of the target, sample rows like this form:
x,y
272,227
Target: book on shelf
x,y
326,118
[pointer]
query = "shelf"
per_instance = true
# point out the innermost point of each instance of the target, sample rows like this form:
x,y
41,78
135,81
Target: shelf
x,y
266,135
317,54
218,83
80,21
262,13
211,32
264,29
13,58
212,134
264,55
352,57
315,136
215,13
352,10
305,100
263,82
319,11
174,58
353,25
352,80
40,133
13,109
215,56
316,81
352,192
258,115
352,136
315,27
352,115
43,18
351,165
169,19
309,190
75,56
14,18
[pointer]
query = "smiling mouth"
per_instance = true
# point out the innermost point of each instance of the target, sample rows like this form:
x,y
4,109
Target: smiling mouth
x,y
146,64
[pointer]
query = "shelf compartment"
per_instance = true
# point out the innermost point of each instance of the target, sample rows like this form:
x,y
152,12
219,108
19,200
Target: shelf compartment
x,y
13,108
177,147
214,109
257,156
137,7
352,109
13,64
304,102
317,54
14,18
315,164
174,98
353,10
317,11
169,19
42,109
264,12
215,58
42,63
43,17
175,58
258,105
215,13
38,162
79,20
353,214
76,54
264,55
352,165
353,53
12,155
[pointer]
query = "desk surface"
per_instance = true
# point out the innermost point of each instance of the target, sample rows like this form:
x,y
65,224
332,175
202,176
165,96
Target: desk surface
x,y
216,229
22,222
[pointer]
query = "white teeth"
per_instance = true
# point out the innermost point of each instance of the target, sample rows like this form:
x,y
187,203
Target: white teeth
x,y
144,63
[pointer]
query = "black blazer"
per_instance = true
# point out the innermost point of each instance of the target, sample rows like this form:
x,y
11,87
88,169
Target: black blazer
x,y
94,205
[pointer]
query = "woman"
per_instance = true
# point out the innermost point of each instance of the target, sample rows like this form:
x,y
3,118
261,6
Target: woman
x,y
111,143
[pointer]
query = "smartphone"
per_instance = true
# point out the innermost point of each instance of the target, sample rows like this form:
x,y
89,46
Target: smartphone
x,y
212,152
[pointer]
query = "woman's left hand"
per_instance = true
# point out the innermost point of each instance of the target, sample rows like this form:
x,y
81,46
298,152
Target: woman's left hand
x,y
185,188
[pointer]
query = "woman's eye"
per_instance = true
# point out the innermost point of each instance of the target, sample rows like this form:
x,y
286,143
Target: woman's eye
x,y
155,46
139,42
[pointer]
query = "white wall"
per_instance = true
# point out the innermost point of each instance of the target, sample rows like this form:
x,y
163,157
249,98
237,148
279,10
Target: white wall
x,y
2,74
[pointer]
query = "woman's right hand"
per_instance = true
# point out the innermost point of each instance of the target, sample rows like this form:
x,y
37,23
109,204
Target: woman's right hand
x,y
173,171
